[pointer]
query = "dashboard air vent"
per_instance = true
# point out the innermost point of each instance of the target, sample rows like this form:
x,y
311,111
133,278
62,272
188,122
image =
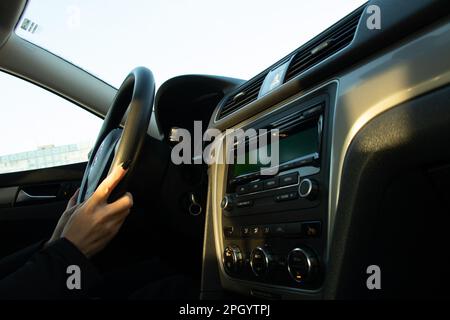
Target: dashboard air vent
x,y
246,94
326,44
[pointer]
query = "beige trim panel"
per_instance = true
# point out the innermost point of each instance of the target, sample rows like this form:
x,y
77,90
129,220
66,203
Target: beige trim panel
x,y
33,63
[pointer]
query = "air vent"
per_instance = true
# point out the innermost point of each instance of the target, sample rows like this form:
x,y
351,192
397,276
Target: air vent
x,y
331,41
321,47
246,94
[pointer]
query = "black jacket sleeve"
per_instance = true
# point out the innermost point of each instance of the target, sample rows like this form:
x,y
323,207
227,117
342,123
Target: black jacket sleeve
x,y
16,260
46,274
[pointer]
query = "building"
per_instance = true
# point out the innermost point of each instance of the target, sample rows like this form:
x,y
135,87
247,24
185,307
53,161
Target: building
x,y
44,157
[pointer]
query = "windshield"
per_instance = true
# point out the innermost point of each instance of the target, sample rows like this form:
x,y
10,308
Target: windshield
x,y
231,38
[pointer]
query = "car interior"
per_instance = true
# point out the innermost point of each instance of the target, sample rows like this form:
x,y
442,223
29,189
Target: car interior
x,y
363,182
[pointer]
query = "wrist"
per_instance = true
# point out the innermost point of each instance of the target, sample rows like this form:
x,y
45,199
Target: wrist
x,y
48,242
77,245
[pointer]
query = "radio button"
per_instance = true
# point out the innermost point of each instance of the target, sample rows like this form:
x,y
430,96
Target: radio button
x,y
311,229
244,203
282,197
245,232
255,231
256,186
289,179
266,230
293,229
286,196
228,231
271,183
279,230
243,189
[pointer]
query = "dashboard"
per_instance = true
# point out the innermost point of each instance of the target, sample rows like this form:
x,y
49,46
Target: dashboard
x,y
182,100
360,114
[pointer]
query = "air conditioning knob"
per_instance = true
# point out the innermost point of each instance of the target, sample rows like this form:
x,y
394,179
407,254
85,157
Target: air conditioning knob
x,y
261,261
232,260
226,203
308,189
303,265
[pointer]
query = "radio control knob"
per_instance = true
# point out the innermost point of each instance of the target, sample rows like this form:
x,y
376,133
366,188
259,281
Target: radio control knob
x,y
261,261
303,265
232,259
226,203
308,189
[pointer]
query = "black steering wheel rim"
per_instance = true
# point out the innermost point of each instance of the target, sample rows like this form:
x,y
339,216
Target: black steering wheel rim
x,y
114,145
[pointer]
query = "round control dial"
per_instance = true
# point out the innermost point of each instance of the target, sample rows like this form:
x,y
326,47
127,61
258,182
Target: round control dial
x,y
308,189
226,203
232,259
303,265
260,261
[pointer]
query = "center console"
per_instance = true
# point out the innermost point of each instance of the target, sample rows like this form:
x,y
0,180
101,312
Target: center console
x,y
274,228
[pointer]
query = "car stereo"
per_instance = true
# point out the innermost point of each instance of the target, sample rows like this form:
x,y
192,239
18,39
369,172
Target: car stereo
x,y
273,224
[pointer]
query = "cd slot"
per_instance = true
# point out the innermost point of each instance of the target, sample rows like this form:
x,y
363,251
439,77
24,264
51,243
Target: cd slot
x,y
297,117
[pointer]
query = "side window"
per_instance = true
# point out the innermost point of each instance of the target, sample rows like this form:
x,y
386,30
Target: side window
x,y
39,129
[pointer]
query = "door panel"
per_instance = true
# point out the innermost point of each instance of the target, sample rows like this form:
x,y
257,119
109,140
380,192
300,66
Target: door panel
x,y
31,203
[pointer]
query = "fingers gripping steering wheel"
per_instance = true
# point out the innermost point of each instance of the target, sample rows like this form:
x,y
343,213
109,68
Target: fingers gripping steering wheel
x,y
114,145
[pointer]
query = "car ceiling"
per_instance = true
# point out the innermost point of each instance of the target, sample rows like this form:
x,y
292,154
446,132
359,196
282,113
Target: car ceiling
x,y
32,63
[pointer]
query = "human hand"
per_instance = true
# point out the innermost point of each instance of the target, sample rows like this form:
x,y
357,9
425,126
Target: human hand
x,y
95,222
70,208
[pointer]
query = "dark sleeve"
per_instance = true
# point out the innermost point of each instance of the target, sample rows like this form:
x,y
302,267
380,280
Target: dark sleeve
x,y
49,275
16,260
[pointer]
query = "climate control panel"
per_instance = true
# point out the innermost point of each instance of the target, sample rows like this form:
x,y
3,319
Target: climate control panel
x,y
273,228
276,261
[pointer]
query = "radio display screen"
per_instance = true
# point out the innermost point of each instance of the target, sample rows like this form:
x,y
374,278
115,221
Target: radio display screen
x,y
292,145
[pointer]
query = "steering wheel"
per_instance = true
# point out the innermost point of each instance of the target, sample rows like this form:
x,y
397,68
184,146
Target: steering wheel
x,y
114,145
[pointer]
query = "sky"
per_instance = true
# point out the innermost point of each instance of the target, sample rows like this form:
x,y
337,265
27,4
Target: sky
x,y
234,38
